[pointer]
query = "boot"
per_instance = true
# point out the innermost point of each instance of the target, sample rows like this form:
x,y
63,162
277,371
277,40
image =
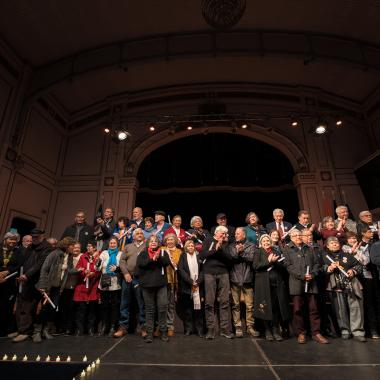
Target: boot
x,y
36,337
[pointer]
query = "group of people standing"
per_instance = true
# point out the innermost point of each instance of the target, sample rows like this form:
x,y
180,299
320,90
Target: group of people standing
x,y
144,273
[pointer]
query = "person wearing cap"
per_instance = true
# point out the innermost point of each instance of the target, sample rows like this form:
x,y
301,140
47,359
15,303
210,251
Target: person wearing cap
x,y
160,225
80,230
11,259
221,220
345,289
29,297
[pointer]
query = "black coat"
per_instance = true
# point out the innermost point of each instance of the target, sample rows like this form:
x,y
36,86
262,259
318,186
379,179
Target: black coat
x,y
152,274
296,261
16,260
316,235
185,282
242,271
34,258
272,226
263,301
215,261
86,234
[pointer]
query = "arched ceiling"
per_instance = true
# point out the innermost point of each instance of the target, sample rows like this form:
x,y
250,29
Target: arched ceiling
x,y
43,33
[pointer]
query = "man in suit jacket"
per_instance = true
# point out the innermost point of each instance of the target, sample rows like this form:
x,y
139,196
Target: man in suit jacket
x,y
279,224
304,223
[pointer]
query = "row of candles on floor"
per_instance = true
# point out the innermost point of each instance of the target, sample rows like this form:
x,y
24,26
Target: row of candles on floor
x,y
89,368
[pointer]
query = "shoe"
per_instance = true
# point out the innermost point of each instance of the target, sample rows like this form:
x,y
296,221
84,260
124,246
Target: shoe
x,y
67,333
112,332
320,339
375,335
301,339
201,335
226,334
148,338
79,333
239,332
156,333
188,332
345,336
45,334
164,336
91,332
170,333
360,338
20,338
102,331
121,331
254,333
12,335
210,334
36,337
143,332
276,335
269,336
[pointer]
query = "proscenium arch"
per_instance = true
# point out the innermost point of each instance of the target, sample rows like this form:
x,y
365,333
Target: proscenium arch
x,y
269,136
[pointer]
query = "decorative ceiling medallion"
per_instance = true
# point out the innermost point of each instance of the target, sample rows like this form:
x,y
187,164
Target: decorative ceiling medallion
x,y
223,14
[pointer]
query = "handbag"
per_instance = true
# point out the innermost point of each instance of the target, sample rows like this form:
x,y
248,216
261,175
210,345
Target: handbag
x,y
105,281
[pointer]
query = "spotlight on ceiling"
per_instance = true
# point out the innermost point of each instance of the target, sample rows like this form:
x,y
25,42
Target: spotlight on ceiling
x,y
122,135
106,130
244,126
339,122
321,128
152,128
189,128
295,123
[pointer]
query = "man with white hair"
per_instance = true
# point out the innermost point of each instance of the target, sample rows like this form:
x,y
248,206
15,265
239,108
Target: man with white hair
x,y
216,262
365,222
343,219
279,224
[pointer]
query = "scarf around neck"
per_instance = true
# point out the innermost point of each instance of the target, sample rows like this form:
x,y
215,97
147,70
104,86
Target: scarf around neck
x,y
112,253
152,252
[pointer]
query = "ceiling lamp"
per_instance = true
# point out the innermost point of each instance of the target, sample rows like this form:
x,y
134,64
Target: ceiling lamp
x,y
122,135
244,126
339,122
321,128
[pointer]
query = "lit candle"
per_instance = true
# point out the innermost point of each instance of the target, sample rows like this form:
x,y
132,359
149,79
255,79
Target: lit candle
x,y
38,358
97,361
14,357
25,358
84,358
58,359
5,357
83,374
68,359
93,365
89,368
48,358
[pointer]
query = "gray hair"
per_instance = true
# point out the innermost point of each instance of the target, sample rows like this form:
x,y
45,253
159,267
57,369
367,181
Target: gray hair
x,y
330,239
194,218
341,207
12,235
221,229
363,212
137,230
265,236
242,229
279,211
293,232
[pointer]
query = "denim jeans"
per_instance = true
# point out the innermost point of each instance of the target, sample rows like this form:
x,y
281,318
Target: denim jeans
x,y
156,297
130,290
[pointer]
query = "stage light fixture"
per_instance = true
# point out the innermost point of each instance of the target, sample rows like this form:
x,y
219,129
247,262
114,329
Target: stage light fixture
x,y
122,135
244,126
152,128
339,122
321,128
107,130
294,123
189,128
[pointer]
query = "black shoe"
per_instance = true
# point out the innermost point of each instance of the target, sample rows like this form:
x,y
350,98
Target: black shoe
x,y
148,338
79,333
226,334
276,335
269,336
210,334
111,332
188,332
345,336
91,332
102,331
164,336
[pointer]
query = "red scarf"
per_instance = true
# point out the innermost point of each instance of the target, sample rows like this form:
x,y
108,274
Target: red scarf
x,y
152,253
268,251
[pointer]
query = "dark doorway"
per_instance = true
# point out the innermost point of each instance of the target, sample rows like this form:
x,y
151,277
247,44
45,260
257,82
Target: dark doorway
x,y
220,172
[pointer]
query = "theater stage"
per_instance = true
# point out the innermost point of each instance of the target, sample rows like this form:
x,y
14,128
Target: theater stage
x,y
192,357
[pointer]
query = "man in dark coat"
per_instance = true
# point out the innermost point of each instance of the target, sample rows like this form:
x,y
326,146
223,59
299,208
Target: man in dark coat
x,y
80,231
29,297
104,229
221,220
303,268
304,222
241,278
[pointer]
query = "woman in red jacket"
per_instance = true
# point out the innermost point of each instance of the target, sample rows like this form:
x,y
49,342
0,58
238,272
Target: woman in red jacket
x,y
86,292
